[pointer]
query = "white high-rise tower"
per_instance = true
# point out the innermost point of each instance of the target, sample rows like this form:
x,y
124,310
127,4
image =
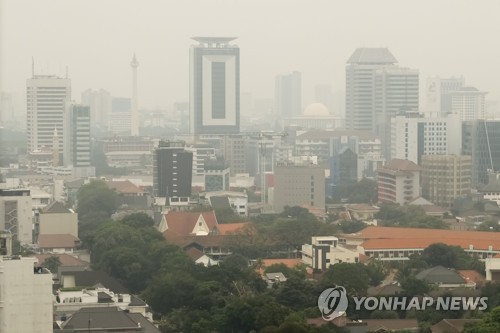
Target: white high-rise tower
x,y
47,96
134,123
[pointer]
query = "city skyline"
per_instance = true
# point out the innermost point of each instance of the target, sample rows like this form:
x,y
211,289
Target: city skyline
x,y
318,48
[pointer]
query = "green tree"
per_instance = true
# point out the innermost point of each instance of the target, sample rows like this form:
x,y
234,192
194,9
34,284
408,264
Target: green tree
x,y
490,323
96,197
52,263
353,277
451,257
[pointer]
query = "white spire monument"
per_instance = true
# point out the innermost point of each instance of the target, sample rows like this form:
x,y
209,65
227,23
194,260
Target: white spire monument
x,y
134,116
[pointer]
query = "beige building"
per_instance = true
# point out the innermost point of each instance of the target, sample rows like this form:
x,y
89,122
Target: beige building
x,y
299,185
398,182
55,219
445,177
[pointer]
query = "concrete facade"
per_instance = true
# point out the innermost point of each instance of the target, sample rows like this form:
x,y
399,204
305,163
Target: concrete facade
x,y
25,296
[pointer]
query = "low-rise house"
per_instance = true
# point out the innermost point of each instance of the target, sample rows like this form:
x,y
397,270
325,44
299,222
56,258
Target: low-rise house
x,y
59,243
129,194
445,278
71,300
273,278
325,251
493,268
56,219
106,320
362,212
237,201
199,257
65,262
451,325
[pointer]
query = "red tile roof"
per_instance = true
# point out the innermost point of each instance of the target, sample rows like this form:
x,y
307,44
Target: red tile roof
x,y
290,263
181,224
123,186
230,228
65,259
413,238
51,241
473,276
194,253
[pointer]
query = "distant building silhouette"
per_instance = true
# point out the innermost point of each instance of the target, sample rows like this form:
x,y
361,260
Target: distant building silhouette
x,y
288,95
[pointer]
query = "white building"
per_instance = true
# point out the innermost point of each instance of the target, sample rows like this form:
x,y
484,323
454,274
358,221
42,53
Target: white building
x,y
398,181
360,92
15,210
69,302
468,103
325,251
396,92
493,268
413,136
238,201
47,98
25,296
201,153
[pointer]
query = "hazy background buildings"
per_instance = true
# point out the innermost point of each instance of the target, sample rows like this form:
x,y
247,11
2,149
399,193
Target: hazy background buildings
x,y
317,49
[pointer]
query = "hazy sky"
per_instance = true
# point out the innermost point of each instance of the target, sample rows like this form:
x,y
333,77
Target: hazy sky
x,y
97,38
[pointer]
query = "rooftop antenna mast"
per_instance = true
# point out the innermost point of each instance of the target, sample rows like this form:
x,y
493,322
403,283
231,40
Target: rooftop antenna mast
x,y
32,66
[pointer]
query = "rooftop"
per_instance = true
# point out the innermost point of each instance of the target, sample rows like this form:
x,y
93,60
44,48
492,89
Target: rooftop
x,y
50,241
372,56
415,238
214,40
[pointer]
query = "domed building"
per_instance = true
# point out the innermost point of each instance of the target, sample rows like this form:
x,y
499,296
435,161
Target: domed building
x,y
315,116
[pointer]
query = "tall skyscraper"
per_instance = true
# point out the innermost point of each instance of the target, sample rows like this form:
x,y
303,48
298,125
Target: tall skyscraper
x,y
172,172
395,93
47,98
78,136
360,90
468,103
288,95
481,141
134,116
214,86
